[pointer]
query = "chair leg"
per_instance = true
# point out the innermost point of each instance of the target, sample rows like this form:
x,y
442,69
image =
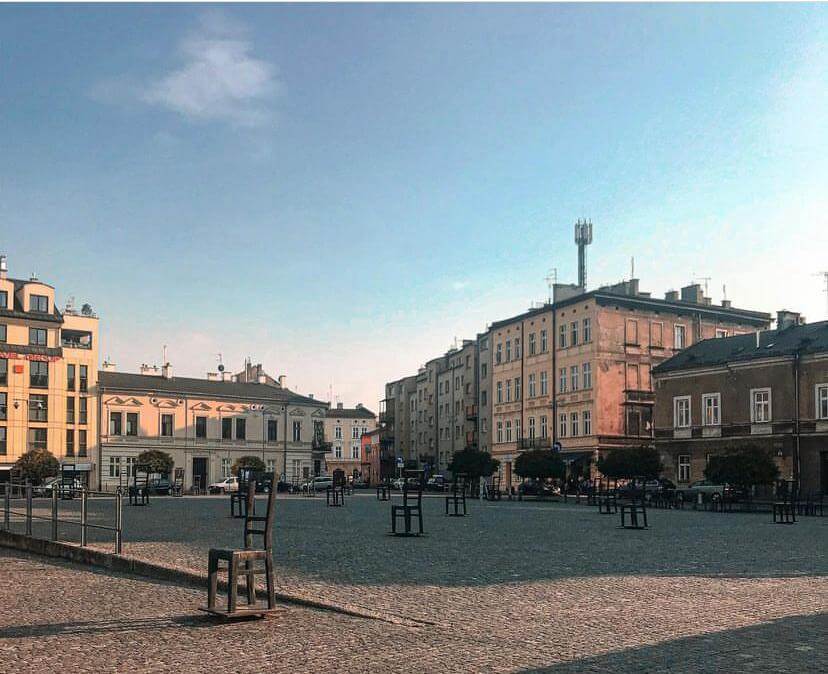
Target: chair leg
x,y
393,521
212,587
271,584
232,585
251,583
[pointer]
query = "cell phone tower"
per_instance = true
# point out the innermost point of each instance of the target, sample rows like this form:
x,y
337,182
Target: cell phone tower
x,y
583,237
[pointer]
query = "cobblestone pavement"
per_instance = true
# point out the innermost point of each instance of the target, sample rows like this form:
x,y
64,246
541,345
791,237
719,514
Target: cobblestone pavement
x,y
519,585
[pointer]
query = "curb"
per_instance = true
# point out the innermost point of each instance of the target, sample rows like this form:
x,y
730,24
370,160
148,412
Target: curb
x,y
130,565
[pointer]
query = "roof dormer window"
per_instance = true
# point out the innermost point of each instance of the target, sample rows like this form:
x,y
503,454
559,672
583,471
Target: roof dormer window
x,y
39,303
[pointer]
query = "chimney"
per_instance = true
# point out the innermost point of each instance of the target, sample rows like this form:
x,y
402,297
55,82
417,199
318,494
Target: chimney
x,y
262,379
166,371
692,293
671,296
4,269
726,304
212,376
339,406
234,378
225,376
786,319
282,380
150,370
310,395
359,406
108,366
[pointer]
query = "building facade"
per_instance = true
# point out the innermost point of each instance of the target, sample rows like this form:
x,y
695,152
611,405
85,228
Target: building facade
x,y
767,389
205,425
344,428
48,377
456,414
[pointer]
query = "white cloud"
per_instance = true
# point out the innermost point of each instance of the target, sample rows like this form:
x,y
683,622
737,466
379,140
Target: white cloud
x,y
459,285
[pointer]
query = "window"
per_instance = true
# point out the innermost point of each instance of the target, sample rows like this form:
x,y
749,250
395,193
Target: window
x,y
632,332
573,377
710,409
498,353
338,451
241,429
517,429
201,427
354,451
3,445
4,299
544,385
338,432
70,442
508,350
114,466
721,333
679,337
271,465
37,438
562,336
500,431
532,385
587,332
84,378
508,390
573,422
484,398
297,431
562,383
587,417
684,468
544,431
517,348
2,333
633,377
517,388
587,379
657,334
130,466
821,401
273,430
167,425
39,303
70,377
132,423
38,374
562,425
4,406
70,410
573,333
115,420
37,337
531,428
227,429
355,433
681,412
508,431
4,372
543,341
82,403
760,409
500,391
532,344
38,408
76,339
225,467
483,370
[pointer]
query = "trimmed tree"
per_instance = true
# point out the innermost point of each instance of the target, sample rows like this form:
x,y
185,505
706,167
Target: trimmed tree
x,y
253,462
743,468
36,465
156,460
540,464
627,463
474,463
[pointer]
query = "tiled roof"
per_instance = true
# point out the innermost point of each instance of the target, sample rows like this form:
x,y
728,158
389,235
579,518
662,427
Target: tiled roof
x,y
123,381
805,339
350,413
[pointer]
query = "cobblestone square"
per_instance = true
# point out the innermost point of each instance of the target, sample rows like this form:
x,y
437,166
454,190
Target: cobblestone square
x,y
514,586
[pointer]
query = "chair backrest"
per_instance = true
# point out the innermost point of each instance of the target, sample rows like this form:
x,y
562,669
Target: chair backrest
x,y
247,476
258,525
412,493
140,476
339,478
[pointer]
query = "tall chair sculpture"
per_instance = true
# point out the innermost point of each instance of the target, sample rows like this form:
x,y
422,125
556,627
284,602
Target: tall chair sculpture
x,y
246,563
238,498
335,494
457,498
138,491
411,507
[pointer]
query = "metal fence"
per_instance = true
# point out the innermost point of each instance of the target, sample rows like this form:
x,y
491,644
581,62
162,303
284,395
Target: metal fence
x,y
16,491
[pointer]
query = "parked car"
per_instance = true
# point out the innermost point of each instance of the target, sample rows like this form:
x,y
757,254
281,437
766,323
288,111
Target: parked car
x,y
51,483
649,487
359,483
436,483
224,486
708,490
400,481
318,484
264,483
159,485
536,488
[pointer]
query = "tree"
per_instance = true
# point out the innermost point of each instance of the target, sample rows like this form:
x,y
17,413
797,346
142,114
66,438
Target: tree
x,y
253,462
630,462
38,464
539,464
743,468
156,460
474,463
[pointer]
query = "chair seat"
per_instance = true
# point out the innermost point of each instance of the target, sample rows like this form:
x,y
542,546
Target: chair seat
x,y
243,555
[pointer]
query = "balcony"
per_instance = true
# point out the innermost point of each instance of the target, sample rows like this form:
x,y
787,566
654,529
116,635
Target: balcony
x,y
471,412
535,443
639,396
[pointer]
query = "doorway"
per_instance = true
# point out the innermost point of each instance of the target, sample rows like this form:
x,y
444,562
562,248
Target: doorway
x,y
200,472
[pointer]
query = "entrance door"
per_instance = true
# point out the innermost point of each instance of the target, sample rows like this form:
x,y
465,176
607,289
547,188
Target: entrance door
x,y
823,482
200,472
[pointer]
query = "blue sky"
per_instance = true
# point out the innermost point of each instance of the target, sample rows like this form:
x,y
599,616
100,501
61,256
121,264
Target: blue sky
x,y
339,191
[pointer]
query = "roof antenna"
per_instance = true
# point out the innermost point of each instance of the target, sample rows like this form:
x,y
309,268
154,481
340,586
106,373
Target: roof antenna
x,y
632,267
164,355
551,279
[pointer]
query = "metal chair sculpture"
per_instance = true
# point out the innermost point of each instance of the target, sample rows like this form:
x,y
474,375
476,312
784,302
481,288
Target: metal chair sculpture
x,y
411,507
383,491
607,499
457,498
246,563
784,511
238,498
138,491
177,488
335,494
493,492
66,484
636,509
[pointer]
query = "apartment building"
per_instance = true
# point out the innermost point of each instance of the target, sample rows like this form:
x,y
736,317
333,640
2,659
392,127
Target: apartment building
x,y
205,425
48,376
766,389
484,391
344,428
575,373
456,403
397,417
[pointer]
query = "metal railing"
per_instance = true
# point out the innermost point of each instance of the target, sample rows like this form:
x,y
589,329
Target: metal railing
x,y
26,491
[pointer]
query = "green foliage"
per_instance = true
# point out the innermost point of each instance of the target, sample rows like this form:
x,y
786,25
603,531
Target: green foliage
x,y
37,464
156,460
474,463
540,464
253,462
630,462
743,468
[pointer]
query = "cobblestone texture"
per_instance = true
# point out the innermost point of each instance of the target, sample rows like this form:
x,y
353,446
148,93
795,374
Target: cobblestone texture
x,y
513,586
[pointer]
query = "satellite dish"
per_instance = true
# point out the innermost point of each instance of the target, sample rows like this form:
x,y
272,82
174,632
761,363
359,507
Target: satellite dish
x,y
221,368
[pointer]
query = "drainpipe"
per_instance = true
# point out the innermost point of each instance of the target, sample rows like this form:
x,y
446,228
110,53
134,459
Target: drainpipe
x,y
796,464
284,457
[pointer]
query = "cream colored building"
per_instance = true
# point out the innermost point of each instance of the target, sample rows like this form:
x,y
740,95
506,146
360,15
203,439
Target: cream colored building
x,y
205,425
344,428
48,376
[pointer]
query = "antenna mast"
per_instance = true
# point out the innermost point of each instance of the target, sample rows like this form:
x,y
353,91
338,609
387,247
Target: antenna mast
x,y
551,279
583,237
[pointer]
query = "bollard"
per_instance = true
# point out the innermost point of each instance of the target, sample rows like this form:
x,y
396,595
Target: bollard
x,y
118,521
28,508
83,517
54,514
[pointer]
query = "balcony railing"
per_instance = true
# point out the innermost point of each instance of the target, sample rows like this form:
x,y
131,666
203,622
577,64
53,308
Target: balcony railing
x,y
471,412
639,396
535,443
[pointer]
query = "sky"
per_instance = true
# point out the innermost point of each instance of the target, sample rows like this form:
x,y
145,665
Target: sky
x,y
340,191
